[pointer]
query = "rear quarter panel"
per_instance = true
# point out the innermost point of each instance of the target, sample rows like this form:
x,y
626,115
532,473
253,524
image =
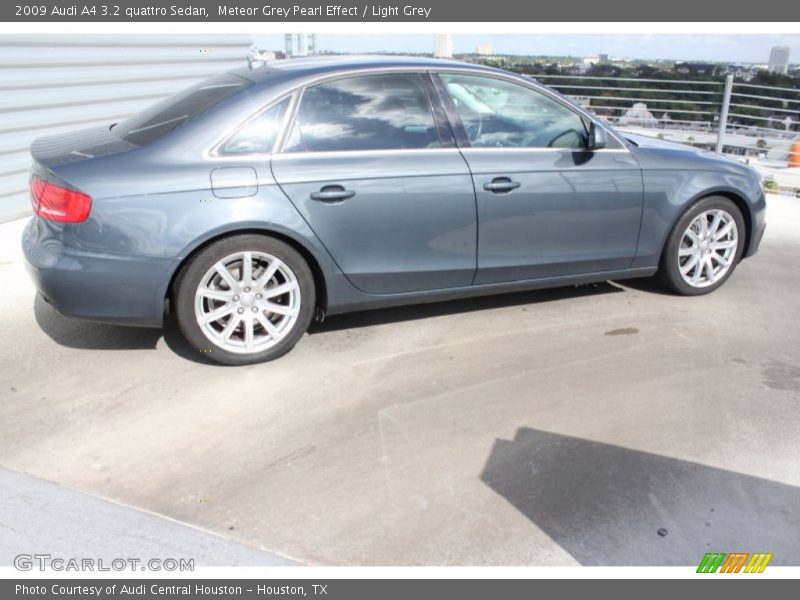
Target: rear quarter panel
x,y
160,206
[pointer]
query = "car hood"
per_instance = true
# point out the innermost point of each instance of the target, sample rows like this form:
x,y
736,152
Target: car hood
x,y
83,144
655,153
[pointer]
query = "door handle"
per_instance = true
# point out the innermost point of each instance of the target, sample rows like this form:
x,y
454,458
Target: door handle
x,y
500,185
332,193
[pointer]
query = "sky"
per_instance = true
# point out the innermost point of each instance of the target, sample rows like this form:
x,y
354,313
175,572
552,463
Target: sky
x,y
707,47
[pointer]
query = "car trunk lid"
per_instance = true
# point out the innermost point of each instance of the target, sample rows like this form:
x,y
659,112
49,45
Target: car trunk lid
x,y
85,144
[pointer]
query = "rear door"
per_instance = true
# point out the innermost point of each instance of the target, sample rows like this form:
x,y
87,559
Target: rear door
x,y
377,176
547,206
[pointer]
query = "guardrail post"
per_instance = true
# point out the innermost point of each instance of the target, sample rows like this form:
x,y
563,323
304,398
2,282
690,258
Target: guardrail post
x,y
723,117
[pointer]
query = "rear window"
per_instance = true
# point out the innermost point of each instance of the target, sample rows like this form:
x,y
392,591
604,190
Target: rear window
x,y
169,114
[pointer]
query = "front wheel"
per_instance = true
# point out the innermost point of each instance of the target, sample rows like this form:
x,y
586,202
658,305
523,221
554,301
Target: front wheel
x,y
704,247
245,299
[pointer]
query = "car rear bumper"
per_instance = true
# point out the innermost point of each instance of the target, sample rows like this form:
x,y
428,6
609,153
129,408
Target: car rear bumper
x,y
113,288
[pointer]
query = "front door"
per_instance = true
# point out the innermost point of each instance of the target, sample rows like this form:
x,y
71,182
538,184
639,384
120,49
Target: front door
x,y
547,206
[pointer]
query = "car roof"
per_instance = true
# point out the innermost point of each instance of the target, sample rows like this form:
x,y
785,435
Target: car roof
x,y
301,67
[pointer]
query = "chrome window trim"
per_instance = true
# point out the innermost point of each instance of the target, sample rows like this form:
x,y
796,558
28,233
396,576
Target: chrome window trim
x,y
384,151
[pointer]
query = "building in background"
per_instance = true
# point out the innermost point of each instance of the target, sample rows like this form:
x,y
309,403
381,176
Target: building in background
x,y
297,45
57,83
483,50
443,45
638,115
779,60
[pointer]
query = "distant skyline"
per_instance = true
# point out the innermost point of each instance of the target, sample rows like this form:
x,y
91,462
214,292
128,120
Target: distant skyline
x,y
706,47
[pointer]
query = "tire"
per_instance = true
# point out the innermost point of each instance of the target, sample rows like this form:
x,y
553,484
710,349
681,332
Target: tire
x,y
689,249
229,315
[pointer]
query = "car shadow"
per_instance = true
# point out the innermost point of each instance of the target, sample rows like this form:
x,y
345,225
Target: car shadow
x,y
414,312
88,335
609,505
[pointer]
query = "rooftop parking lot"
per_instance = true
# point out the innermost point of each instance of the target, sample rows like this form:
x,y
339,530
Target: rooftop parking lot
x,y
605,424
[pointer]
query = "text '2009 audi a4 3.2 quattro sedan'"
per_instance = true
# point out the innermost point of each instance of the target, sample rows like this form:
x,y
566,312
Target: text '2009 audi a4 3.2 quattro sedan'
x,y
258,199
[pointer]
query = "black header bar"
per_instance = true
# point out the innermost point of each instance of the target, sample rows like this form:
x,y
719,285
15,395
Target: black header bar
x,y
277,11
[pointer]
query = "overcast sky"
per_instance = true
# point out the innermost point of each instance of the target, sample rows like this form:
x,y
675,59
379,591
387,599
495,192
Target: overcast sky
x,y
733,48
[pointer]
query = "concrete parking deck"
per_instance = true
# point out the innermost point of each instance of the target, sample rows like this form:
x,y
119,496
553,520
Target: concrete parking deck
x,y
607,424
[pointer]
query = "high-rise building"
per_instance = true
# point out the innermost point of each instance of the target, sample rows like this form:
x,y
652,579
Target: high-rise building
x,y
300,44
443,45
483,50
779,60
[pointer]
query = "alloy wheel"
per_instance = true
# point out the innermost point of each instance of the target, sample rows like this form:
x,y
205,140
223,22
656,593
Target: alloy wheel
x,y
708,248
247,302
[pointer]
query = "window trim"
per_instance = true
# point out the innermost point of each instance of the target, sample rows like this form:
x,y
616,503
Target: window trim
x,y
426,85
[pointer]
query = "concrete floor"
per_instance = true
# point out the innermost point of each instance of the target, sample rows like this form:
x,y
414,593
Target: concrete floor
x,y
606,424
40,517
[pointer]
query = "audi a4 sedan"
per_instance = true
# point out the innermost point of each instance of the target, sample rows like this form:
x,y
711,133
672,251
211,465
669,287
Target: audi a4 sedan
x,y
261,199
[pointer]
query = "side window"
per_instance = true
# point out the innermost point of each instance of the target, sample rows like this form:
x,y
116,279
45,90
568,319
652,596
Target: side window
x,y
258,134
371,112
500,114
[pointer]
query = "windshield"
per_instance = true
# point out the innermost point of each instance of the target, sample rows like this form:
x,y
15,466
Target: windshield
x,y
169,114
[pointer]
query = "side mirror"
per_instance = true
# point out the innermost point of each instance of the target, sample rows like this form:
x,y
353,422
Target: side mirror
x,y
598,138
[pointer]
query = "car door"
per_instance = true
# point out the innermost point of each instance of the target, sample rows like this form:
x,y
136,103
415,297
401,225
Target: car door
x,y
378,178
547,207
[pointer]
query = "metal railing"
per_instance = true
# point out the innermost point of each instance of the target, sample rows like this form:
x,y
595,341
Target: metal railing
x,y
726,116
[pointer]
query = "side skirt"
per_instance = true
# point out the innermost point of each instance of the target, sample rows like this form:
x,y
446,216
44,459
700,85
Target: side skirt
x,y
374,301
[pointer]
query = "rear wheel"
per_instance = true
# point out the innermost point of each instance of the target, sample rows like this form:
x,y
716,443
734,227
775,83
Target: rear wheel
x,y
245,299
704,247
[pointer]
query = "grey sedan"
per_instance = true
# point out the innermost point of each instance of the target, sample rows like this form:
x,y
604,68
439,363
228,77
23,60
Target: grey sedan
x,y
261,199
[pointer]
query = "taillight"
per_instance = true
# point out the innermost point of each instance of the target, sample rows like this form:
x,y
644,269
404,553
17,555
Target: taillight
x,y
56,203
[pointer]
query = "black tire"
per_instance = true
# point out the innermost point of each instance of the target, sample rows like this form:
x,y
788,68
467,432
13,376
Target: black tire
x,y
669,272
195,269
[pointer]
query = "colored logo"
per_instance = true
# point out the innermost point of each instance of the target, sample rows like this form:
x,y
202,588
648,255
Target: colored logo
x,y
736,562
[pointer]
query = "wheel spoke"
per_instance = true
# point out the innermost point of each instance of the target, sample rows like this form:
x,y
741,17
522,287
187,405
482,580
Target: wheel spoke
x,y
224,295
268,326
687,251
280,309
716,220
230,327
703,224
279,290
723,262
723,245
709,268
685,269
248,332
247,267
226,275
698,271
723,232
218,314
268,274
693,236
